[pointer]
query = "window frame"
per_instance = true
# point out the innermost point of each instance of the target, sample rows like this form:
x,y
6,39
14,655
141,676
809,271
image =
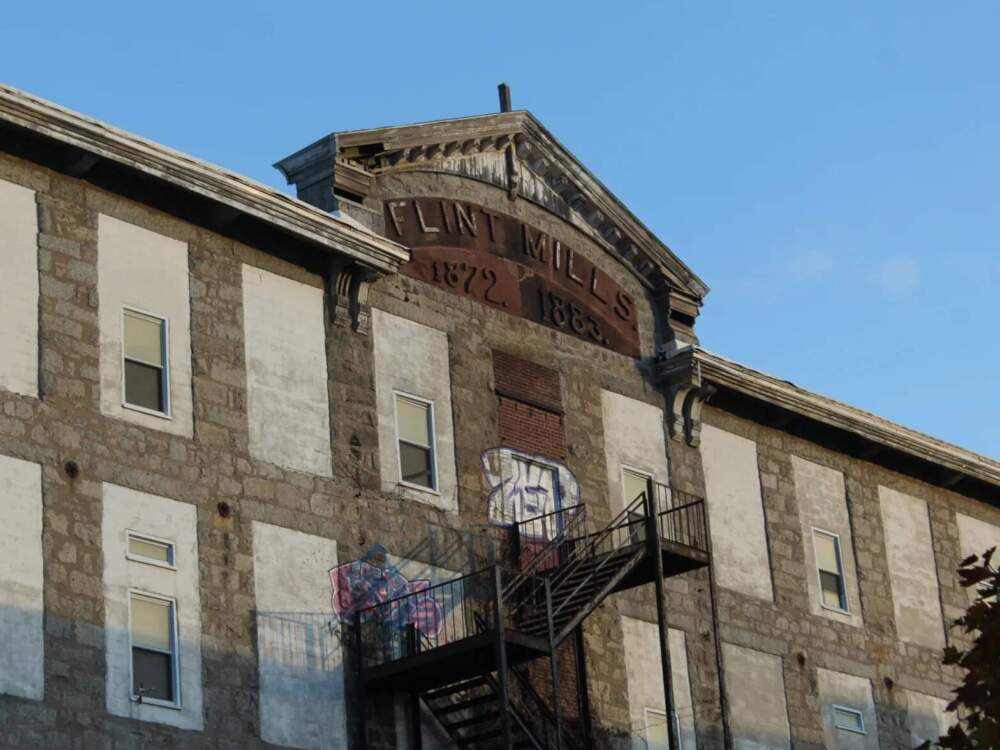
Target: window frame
x,y
660,714
626,468
834,708
432,429
175,662
841,574
165,348
134,557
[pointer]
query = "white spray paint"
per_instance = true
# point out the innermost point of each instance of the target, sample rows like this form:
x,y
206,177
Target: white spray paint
x,y
822,504
736,512
927,717
974,538
149,272
757,708
127,510
912,570
851,692
21,604
413,358
288,407
633,438
300,660
19,289
645,679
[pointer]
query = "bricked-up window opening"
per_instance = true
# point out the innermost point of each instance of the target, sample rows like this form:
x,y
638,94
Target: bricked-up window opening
x,y
153,634
849,719
144,362
656,729
415,432
151,550
829,564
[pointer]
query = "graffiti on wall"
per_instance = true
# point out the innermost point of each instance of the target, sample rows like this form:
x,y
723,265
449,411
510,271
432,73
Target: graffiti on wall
x,y
521,486
377,578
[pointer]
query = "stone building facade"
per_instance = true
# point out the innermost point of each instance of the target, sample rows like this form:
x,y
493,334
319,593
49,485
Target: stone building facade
x,y
351,398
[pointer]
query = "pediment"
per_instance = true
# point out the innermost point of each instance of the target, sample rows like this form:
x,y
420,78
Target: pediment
x,y
515,152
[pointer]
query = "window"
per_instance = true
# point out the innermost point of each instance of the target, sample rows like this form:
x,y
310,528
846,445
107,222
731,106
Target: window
x,y
634,483
830,566
150,550
656,729
144,345
152,627
415,431
848,719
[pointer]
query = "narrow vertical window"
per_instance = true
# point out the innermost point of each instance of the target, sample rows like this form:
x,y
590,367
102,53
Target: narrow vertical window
x,y
829,564
154,649
656,729
634,483
415,431
145,361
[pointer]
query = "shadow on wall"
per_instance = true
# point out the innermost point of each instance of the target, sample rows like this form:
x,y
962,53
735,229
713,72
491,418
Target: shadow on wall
x,y
302,679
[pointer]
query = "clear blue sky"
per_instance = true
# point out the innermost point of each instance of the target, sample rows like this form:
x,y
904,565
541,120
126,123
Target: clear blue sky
x,y
831,170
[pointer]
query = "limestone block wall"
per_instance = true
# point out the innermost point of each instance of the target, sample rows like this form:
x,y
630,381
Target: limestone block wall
x,y
336,513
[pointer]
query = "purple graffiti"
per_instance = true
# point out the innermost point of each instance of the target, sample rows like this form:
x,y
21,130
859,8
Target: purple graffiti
x,y
360,584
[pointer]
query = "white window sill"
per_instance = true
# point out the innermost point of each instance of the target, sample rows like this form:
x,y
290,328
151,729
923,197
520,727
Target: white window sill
x,y
156,702
149,412
419,488
149,561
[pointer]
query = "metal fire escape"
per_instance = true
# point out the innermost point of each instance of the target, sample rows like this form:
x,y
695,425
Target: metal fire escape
x,y
463,647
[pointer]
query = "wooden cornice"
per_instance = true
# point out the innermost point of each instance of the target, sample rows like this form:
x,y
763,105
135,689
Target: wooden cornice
x,y
863,433
233,195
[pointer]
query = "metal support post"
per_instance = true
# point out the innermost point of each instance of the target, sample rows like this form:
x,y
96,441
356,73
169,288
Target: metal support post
x,y
653,546
553,663
727,732
362,708
501,651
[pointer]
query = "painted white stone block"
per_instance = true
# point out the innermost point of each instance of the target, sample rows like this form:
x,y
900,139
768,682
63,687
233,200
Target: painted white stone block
x,y
300,661
822,503
288,404
633,438
852,693
148,272
126,510
736,512
975,537
645,680
927,717
912,570
413,359
22,644
19,289
757,707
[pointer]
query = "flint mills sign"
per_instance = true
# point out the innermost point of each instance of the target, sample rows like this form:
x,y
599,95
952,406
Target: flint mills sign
x,y
498,260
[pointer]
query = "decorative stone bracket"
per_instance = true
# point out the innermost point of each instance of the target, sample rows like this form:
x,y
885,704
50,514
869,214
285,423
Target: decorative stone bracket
x,y
347,286
686,395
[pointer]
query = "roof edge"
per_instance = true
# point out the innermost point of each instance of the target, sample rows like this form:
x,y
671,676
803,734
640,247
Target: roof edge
x,y
222,186
692,367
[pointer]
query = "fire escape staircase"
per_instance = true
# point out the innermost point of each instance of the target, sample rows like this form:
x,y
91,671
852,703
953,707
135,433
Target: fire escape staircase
x,y
463,646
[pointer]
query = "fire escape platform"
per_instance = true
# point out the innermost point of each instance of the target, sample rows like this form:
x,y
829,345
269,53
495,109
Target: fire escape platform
x,y
677,559
452,662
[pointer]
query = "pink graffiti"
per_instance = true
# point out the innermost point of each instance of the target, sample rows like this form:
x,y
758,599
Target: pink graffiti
x,y
360,584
